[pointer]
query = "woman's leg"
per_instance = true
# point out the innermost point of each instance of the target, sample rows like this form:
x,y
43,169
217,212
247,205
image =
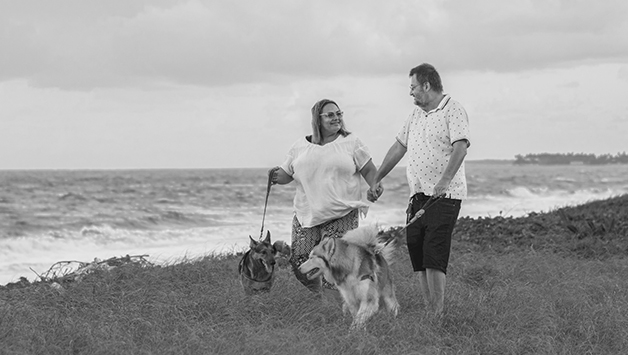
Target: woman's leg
x,y
336,229
303,241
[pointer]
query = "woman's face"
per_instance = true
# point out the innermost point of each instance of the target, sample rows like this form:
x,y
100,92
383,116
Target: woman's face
x,y
331,119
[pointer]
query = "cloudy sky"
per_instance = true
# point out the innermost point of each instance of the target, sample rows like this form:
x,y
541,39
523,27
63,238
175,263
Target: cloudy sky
x,y
213,84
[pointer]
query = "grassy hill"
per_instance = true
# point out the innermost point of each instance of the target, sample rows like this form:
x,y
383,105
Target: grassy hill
x,y
551,283
597,229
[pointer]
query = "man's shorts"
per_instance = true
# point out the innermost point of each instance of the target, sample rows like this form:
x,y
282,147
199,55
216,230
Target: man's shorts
x,y
429,238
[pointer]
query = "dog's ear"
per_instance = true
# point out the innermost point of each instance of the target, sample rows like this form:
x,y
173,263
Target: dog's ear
x,y
329,246
253,243
267,239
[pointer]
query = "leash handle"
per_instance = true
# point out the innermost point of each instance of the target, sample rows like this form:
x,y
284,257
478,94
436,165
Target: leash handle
x,y
271,174
430,202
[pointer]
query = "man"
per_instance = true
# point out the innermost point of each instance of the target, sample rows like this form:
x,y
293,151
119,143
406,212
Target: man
x,y
436,138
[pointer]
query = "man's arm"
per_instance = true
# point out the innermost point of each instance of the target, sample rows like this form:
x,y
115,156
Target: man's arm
x,y
457,157
394,155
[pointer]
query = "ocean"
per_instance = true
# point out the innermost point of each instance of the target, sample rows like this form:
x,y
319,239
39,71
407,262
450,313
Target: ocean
x,y
48,216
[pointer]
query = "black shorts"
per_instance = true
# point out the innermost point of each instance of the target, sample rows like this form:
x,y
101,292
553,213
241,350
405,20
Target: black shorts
x,y
429,238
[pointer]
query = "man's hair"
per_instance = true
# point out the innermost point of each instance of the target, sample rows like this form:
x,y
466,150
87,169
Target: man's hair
x,y
316,121
427,73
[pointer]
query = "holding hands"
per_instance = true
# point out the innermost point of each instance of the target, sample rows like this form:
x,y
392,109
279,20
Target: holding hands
x,y
375,192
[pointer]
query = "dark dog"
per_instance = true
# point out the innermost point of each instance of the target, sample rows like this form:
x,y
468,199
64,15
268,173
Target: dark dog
x,y
257,267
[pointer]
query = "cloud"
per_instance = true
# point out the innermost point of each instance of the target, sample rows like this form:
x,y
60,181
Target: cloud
x,y
80,45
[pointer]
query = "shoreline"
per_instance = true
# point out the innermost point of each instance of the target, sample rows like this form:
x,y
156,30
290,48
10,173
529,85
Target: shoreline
x,y
592,229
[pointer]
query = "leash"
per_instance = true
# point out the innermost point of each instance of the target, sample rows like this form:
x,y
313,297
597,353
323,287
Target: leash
x,y
430,202
268,185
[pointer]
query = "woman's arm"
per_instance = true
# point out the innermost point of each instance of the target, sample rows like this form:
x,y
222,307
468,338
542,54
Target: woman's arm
x,y
279,176
368,172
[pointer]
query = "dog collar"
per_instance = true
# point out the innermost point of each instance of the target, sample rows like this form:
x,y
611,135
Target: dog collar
x,y
265,280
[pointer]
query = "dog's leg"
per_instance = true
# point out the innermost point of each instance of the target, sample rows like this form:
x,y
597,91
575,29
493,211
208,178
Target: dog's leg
x,y
369,303
349,304
351,298
390,300
345,308
392,305
367,309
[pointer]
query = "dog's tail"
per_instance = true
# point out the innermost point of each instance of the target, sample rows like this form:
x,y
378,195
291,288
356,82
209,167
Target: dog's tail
x,y
365,236
387,244
384,243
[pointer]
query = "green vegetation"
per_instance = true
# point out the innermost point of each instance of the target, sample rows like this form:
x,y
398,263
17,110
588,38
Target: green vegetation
x,y
571,158
552,283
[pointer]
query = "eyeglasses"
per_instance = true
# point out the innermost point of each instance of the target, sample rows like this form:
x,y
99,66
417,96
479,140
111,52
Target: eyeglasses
x,y
338,114
412,87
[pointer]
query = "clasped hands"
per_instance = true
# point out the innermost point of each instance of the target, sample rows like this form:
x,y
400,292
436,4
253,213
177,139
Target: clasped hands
x,y
375,192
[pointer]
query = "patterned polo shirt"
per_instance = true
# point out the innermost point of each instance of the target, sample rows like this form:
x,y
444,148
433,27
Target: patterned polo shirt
x,y
429,138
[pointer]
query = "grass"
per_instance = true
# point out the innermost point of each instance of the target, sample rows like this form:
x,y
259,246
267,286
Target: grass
x,y
531,285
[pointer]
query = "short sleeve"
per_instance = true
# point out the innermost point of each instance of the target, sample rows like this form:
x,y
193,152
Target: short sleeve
x,y
402,136
361,154
287,165
458,122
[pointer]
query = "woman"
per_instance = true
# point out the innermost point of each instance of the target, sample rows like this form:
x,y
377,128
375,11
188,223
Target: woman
x,y
327,167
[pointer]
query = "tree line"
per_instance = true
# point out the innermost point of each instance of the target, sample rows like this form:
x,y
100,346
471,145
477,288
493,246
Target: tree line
x,y
571,158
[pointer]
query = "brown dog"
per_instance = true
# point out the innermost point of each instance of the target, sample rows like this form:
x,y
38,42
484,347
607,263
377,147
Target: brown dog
x,y
257,266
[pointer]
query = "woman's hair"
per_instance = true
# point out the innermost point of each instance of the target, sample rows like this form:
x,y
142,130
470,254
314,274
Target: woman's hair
x,y
317,109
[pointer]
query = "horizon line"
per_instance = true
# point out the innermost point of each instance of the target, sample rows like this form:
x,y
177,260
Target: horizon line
x,y
206,168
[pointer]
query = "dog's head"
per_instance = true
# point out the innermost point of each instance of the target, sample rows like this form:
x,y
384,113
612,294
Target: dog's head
x,y
265,252
319,258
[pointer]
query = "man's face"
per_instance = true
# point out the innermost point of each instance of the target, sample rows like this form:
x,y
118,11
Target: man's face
x,y
419,92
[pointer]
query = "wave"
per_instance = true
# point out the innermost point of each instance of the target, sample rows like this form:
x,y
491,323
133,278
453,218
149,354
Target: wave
x,y
171,214
18,255
564,179
38,250
520,201
72,196
523,192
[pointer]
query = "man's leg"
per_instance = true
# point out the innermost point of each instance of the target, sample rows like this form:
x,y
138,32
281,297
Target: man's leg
x,y
440,222
415,234
425,289
436,281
